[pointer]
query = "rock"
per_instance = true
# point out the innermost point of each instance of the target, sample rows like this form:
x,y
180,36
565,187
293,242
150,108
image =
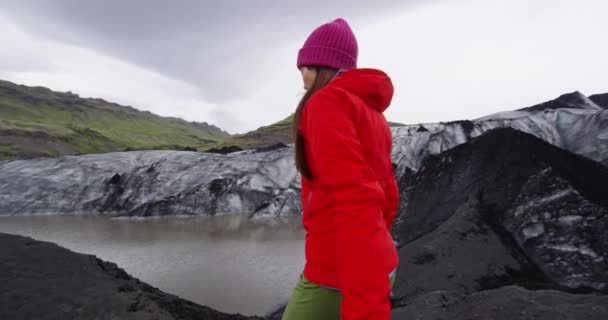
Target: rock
x,y
273,147
463,255
225,150
600,99
517,186
421,128
276,314
505,226
507,303
561,230
41,280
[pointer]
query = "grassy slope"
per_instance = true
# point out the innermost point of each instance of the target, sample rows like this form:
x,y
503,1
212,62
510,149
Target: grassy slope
x,y
35,116
279,132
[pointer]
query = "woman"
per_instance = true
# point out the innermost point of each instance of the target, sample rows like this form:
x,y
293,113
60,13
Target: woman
x,y
349,194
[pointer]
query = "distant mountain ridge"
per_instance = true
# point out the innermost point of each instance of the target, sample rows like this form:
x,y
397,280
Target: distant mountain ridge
x,y
575,100
276,133
36,121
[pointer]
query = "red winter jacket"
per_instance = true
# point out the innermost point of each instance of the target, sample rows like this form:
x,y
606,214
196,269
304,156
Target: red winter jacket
x,y
349,206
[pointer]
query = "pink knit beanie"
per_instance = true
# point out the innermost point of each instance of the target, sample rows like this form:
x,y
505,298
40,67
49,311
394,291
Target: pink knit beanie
x,y
331,45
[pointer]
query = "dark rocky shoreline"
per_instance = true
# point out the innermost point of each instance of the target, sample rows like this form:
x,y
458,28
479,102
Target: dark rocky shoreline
x,y
41,280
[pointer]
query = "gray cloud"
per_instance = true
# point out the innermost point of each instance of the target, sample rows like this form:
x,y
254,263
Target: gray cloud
x,y
214,45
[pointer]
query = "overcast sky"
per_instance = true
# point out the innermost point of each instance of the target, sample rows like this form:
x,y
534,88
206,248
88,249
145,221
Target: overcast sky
x,y
232,63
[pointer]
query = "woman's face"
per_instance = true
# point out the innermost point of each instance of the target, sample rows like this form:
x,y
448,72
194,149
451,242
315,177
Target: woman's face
x,y
308,76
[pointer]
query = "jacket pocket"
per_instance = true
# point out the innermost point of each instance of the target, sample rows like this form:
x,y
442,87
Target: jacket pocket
x,y
383,250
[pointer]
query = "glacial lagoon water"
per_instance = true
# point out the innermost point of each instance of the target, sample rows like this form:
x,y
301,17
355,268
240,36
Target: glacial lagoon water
x,y
227,262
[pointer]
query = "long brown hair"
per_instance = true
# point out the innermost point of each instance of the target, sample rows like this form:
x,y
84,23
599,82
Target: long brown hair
x,y
324,75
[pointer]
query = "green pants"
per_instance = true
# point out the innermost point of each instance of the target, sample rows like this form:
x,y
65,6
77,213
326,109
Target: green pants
x,y
311,301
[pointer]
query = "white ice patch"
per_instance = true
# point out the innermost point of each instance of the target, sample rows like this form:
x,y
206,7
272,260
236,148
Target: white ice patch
x,y
533,230
570,220
258,182
282,171
234,202
570,248
541,202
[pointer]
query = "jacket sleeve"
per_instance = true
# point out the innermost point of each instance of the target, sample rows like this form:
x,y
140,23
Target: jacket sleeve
x,y
358,200
391,192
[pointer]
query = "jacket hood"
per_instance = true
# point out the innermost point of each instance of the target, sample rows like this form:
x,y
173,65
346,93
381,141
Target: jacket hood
x,y
373,86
